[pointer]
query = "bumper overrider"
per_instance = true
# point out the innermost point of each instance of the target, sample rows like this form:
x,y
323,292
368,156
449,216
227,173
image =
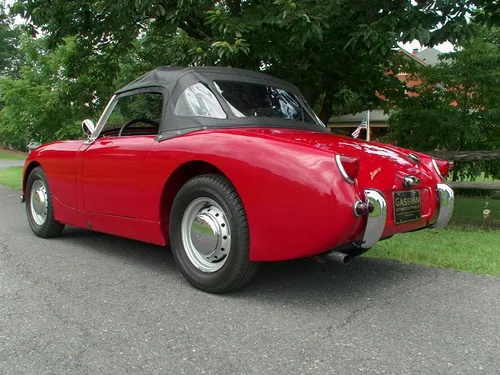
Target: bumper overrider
x,y
377,217
446,200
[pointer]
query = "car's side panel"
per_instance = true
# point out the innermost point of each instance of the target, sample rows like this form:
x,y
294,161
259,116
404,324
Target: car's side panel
x,y
139,230
296,202
114,176
63,164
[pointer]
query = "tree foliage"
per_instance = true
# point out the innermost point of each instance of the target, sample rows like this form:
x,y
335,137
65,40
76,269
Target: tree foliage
x,y
36,104
458,103
9,43
336,51
324,46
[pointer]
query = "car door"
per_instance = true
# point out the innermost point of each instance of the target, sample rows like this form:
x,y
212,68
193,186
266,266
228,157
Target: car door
x,y
114,169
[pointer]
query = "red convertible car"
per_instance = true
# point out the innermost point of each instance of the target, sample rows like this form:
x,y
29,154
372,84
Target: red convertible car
x,y
230,168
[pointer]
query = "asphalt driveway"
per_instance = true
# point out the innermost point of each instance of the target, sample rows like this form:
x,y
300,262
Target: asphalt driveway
x,y
89,303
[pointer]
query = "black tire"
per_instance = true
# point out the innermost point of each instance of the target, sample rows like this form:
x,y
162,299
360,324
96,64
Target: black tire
x,y
50,228
237,270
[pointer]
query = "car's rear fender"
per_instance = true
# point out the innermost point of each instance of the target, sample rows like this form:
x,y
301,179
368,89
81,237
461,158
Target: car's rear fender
x,y
295,198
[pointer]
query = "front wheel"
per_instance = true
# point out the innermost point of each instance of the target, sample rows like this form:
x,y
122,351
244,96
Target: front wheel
x,y
209,235
39,206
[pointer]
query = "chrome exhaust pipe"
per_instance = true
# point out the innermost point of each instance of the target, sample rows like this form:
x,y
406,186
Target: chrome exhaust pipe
x,y
337,256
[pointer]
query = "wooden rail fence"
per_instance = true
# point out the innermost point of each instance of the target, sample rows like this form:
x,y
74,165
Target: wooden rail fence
x,y
470,156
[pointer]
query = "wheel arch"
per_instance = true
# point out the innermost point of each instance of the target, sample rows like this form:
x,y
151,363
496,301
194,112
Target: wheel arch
x,y
32,165
175,181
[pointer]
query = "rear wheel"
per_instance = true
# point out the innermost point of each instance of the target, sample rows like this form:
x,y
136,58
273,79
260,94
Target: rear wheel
x,y
209,235
39,207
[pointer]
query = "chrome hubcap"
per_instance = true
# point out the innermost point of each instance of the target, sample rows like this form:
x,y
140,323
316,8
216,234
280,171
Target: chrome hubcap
x,y
39,202
206,234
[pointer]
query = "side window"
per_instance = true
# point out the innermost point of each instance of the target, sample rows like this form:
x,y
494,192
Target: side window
x,y
137,114
198,100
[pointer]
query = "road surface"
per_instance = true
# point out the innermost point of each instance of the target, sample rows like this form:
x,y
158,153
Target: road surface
x,y
5,163
88,303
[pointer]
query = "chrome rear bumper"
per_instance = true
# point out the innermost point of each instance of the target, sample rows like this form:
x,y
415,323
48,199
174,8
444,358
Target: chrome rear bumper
x,y
446,198
375,224
377,218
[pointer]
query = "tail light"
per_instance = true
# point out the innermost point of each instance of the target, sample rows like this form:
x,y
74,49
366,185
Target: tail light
x,y
348,167
441,166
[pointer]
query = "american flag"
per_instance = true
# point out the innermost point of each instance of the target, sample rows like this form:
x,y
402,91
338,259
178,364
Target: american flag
x,y
363,124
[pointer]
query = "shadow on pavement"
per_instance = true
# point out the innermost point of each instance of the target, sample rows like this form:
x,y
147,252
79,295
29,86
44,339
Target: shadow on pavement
x,y
276,282
143,254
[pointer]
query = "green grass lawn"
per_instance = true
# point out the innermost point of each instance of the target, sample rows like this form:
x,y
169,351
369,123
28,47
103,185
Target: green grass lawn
x,y
470,251
12,177
469,243
11,156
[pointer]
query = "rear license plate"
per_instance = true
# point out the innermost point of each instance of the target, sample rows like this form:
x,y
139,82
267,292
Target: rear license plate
x,y
407,206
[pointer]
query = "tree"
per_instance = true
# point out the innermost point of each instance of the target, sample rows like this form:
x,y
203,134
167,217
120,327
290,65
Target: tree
x,y
9,40
333,50
35,105
458,106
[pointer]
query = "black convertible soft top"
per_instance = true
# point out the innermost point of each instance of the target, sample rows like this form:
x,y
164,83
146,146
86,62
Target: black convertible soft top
x,y
168,76
172,81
